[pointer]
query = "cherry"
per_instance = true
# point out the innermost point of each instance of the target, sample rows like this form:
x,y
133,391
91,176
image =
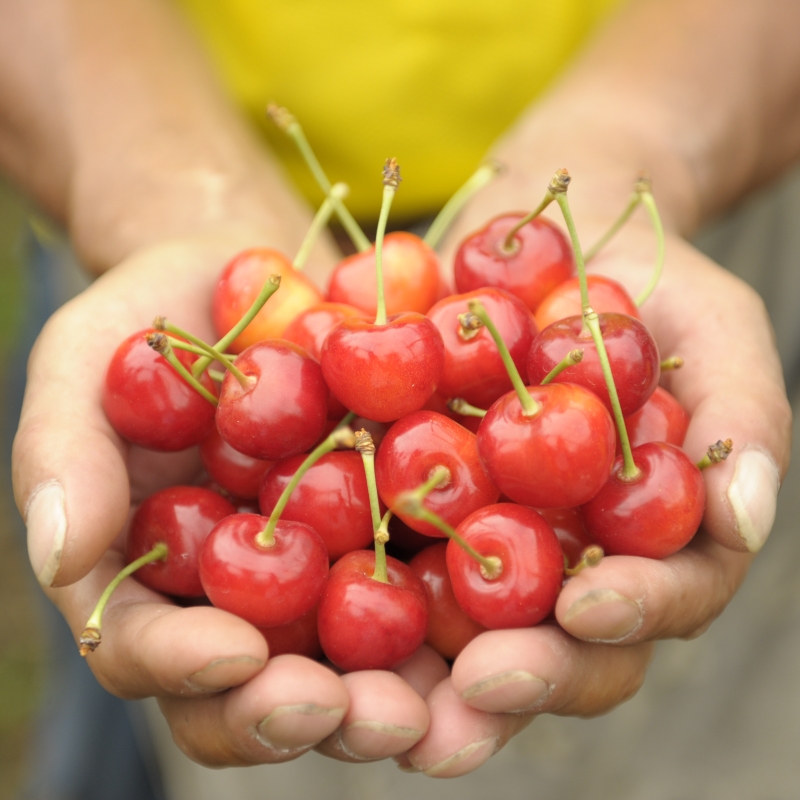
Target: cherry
x,y
570,530
412,450
632,354
473,369
536,260
299,637
282,407
148,403
653,514
605,294
369,624
239,284
530,566
332,497
661,419
236,473
450,629
411,275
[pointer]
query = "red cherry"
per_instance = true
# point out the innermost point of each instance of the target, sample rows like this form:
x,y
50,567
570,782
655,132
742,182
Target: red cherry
x,y
526,590
450,629
332,498
367,624
181,517
558,457
284,408
148,403
654,514
605,294
540,259
570,530
267,586
632,354
240,283
383,372
410,276
473,368
299,637
410,452
236,473
661,419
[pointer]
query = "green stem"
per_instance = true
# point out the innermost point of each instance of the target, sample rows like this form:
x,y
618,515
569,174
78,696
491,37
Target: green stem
x,y
459,405
345,420
90,638
343,437
529,405
321,219
509,245
267,290
673,362
381,572
160,343
391,180
633,202
716,452
570,360
366,448
284,120
444,219
650,205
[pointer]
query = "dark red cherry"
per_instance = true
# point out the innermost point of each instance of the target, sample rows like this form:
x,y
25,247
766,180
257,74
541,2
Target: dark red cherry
x,y
570,530
605,294
661,419
236,473
299,637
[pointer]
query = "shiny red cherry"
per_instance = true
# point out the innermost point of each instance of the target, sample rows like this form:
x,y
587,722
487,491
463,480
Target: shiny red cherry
x,y
148,403
383,372
283,409
661,419
410,276
332,498
527,588
560,456
240,283
299,637
570,530
654,514
236,473
267,586
412,450
539,259
450,628
605,294
473,369
181,517
368,624
632,354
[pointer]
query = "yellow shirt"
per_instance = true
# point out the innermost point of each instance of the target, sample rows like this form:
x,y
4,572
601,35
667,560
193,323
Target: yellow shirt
x,y
431,82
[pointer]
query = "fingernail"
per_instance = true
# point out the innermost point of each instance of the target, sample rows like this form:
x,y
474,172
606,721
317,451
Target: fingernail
x,y
603,615
465,760
292,727
510,692
368,739
753,495
46,520
223,673
404,765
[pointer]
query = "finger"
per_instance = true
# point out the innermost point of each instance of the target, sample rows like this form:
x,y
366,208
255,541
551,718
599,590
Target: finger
x,y
424,670
69,466
627,599
386,717
151,647
460,738
543,669
282,712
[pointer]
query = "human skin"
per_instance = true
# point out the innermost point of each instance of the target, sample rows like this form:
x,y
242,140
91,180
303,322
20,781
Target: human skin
x,y
139,154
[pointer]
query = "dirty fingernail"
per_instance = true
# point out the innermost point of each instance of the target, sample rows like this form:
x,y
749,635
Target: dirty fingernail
x,y
465,760
603,615
290,727
371,739
223,673
512,691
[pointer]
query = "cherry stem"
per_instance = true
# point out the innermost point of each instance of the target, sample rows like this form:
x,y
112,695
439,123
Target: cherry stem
x,y
179,344
590,557
391,180
216,375
91,636
366,448
412,503
160,343
674,362
343,437
570,360
648,201
459,405
267,290
482,176
469,326
509,245
161,324
345,420
321,219
529,406
559,185
287,123
633,204
381,572
716,452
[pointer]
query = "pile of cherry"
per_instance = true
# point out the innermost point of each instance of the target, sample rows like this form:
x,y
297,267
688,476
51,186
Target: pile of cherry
x,y
528,479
